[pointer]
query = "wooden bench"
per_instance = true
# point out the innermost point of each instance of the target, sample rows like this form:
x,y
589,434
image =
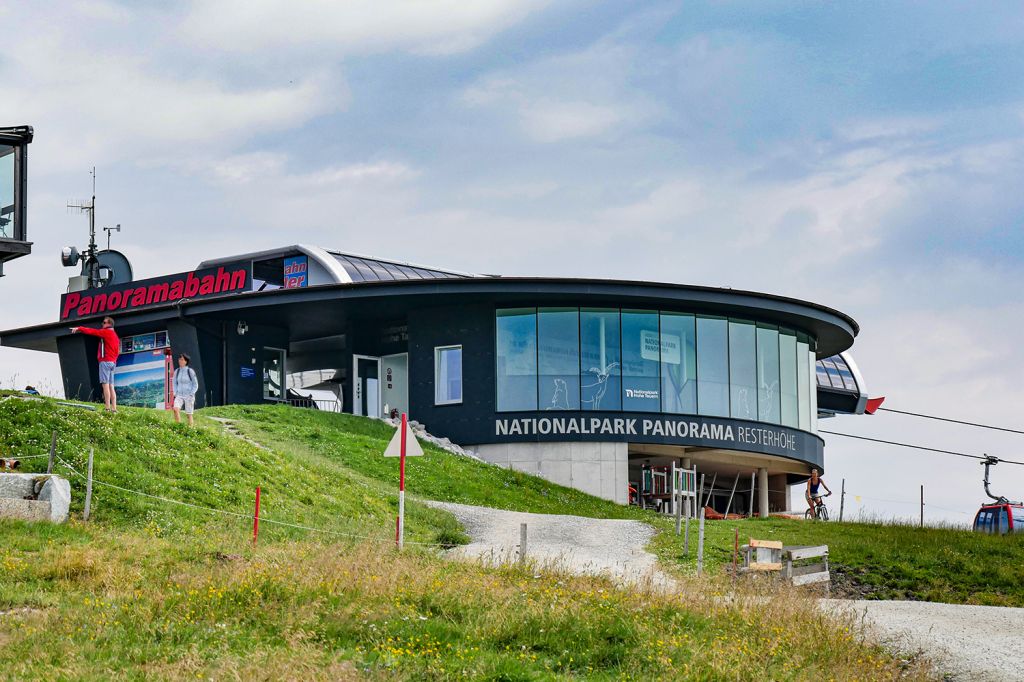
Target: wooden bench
x,y
797,564
806,565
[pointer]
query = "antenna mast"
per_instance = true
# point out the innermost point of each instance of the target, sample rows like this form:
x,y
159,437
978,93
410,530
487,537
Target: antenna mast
x,y
91,264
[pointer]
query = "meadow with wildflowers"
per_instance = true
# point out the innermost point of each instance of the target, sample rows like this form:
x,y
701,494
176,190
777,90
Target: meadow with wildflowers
x,y
149,589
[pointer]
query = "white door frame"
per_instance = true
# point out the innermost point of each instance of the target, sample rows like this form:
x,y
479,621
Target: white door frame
x,y
284,373
357,403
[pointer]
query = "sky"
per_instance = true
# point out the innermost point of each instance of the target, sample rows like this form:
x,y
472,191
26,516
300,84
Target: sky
x,y
866,156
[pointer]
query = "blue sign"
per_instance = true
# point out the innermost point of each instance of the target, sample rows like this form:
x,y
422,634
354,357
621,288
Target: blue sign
x,y
248,372
296,272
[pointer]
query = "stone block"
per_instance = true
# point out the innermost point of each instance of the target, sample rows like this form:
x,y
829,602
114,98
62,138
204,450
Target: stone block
x,y
17,486
24,510
57,491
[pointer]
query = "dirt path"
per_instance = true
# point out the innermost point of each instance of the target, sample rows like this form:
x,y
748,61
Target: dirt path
x,y
610,547
965,642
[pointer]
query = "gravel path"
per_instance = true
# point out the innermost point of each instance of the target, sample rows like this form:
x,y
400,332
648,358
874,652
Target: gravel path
x,y
610,547
965,642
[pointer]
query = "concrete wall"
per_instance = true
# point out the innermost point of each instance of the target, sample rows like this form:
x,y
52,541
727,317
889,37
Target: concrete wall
x,y
600,469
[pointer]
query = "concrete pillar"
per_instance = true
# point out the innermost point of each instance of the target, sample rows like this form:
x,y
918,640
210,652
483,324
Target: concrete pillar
x,y
762,492
778,493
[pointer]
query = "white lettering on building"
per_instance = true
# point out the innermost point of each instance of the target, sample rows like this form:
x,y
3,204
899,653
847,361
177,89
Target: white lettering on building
x,y
665,427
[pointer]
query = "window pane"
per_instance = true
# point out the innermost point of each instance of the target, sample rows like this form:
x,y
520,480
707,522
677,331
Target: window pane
x,y
713,366
516,355
600,364
558,358
7,192
788,380
804,385
742,370
678,364
811,364
768,375
640,358
448,380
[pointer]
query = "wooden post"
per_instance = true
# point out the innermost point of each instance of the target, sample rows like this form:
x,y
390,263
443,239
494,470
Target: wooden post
x,y
522,542
842,499
679,505
88,490
922,505
53,451
729,506
750,507
700,495
700,543
256,518
735,552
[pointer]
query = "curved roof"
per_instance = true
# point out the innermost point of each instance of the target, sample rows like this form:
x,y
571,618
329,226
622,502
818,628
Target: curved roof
x,y
390,287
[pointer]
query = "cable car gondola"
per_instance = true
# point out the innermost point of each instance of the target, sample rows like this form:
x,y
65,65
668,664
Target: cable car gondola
x,y
999,517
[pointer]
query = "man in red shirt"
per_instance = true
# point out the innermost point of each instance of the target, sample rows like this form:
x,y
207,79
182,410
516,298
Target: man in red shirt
x,y
110,348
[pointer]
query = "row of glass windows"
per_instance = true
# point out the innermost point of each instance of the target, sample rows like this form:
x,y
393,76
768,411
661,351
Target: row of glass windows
x,y
650,361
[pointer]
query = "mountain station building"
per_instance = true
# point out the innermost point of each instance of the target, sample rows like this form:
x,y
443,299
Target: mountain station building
x,y
600,385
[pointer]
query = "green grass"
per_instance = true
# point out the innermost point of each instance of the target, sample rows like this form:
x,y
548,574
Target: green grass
x,y
149,589
357,443
880,560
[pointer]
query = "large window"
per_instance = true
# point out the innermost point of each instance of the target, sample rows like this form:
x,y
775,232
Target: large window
x,y
517,359
713,366
804,380
742,370
600,364
641,355
647,361
788,380
7,223
678,364
447,375
558,358
768,374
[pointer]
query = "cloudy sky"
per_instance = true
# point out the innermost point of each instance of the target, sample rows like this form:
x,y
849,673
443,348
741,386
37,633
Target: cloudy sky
x,y
866,156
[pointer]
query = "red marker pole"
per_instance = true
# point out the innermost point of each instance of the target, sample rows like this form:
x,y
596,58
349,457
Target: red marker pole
x,y
400,525
256,518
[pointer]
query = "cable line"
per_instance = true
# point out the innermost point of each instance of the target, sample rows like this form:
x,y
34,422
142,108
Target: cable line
x,y
953,421
917,447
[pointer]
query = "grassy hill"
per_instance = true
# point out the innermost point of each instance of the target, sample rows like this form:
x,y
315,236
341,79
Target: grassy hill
x,y
151,589
883,560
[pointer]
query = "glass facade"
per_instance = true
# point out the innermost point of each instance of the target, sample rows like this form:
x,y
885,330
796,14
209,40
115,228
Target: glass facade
x,y
654,361
600,362
742,370
678,364
517,359
558,358
713,366
641,355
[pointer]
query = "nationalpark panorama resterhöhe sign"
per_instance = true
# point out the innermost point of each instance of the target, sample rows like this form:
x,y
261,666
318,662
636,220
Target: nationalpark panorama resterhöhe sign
x,y
159,290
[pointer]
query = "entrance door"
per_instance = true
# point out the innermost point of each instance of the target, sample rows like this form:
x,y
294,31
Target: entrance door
x,y
394,391
274,387
366,386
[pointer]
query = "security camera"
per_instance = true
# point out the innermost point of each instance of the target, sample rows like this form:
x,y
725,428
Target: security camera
x,y
242,328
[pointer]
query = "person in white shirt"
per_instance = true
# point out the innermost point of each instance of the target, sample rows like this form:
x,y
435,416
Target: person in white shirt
x,y
186,384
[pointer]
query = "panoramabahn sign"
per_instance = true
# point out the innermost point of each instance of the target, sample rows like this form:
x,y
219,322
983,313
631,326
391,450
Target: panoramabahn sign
x,y
150,292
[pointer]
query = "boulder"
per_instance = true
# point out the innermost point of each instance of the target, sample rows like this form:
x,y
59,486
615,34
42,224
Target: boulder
x,y
57,491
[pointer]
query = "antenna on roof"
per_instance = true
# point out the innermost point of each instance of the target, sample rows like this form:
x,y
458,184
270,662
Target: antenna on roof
x,y
99,268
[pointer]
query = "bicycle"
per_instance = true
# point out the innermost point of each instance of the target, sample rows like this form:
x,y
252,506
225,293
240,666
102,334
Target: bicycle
x,y
820,512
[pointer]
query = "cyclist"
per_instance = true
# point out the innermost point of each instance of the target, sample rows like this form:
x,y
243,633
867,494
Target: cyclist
x,y
813,483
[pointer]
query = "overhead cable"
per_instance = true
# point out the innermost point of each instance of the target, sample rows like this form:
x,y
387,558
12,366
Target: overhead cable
x,y
918,447
952,421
